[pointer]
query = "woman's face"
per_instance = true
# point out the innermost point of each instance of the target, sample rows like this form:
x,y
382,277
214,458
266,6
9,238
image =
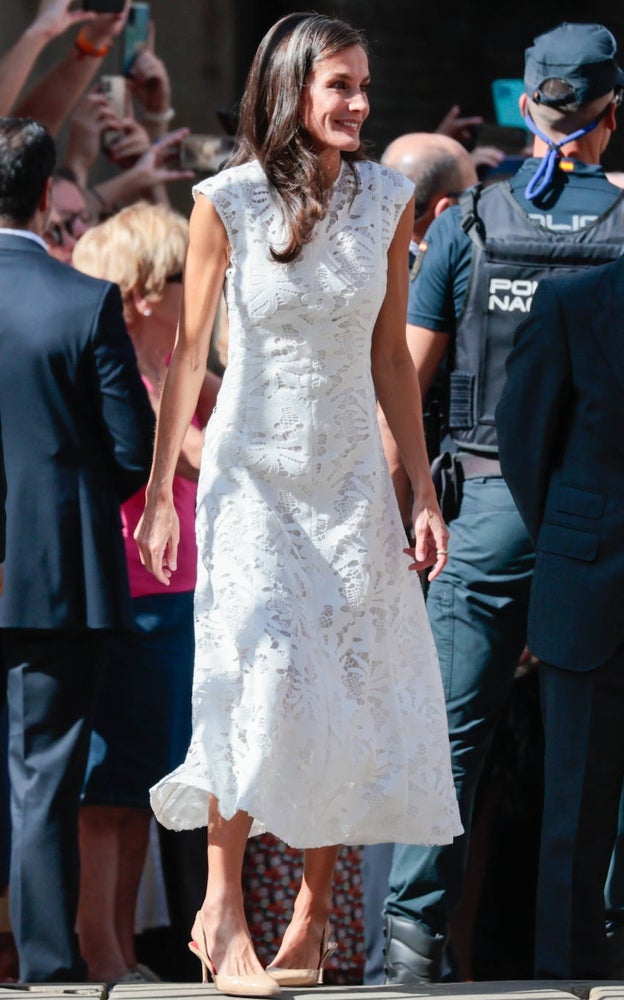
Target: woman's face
x,y
335,102
68,219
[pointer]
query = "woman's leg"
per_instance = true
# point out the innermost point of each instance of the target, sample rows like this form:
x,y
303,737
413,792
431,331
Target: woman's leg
x,y
134,833
301,946
227,938
99,867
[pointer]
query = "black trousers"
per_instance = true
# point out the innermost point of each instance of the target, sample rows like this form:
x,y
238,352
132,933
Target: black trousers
x,y
583,772
52,680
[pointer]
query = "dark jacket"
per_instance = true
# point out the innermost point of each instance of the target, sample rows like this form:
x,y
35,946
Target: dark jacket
x,y
561,437
77,431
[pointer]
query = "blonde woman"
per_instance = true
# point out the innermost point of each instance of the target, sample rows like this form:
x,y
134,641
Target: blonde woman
x,y
142,725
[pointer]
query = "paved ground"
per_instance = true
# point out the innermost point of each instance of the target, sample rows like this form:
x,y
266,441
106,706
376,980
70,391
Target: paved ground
x,y
457,991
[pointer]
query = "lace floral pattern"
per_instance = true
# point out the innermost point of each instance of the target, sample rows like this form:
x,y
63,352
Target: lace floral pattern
x,y
317,702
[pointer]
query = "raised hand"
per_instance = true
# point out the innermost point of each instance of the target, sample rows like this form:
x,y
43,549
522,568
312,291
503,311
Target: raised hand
x,y
149,79
154,167
54,17
91,118
131,143
104,28
458,127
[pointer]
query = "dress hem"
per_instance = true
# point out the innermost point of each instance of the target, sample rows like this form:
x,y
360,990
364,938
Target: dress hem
x,y
165,793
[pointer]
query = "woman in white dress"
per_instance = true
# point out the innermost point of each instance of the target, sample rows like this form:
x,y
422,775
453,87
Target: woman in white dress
x,y
318,711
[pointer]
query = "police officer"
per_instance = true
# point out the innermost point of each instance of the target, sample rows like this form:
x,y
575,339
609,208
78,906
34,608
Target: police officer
x,y
478,269
440,169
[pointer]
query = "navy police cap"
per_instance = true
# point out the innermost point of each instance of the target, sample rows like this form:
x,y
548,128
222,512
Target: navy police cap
x,y
581,55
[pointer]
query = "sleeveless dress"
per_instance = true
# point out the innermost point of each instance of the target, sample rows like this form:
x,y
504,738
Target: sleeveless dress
x,y
317,700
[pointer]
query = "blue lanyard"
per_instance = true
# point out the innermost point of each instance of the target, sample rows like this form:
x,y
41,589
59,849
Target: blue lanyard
x,y
542,177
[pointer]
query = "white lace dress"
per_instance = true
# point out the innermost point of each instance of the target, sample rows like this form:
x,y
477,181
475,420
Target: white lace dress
x,y
317,702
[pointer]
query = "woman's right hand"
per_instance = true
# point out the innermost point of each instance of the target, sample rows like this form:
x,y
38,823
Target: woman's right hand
x,y
54,17
157,535
152,167
92,116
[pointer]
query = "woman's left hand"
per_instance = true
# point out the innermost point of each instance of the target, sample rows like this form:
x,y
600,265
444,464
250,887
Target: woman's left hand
x,y
431,537
157,536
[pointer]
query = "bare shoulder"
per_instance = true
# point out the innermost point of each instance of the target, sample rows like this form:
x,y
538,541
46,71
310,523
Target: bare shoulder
x,y
208,237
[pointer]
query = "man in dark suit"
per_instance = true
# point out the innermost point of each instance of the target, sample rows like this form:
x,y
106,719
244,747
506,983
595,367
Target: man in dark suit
x,y
77,430
561,443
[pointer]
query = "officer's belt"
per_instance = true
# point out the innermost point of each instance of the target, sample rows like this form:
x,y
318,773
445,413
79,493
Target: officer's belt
x,y
479,466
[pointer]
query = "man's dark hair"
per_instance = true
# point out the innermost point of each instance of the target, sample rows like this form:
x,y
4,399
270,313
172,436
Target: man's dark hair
x,y
27,159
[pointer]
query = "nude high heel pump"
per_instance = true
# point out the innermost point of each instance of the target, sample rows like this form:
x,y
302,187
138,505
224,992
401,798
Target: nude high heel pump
x,y
259,984
305,977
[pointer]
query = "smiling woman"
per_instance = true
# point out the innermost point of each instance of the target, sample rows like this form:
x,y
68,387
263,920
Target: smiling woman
x,y
318,70
335,106
318,707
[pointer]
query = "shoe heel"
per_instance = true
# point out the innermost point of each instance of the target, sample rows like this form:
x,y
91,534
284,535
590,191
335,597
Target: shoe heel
x,y
327,950
206,972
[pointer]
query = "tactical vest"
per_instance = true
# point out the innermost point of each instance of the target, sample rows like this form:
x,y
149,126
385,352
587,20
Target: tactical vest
x,y
511,254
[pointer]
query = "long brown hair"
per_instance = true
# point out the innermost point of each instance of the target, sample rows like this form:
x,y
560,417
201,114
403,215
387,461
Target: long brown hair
x,y
270,128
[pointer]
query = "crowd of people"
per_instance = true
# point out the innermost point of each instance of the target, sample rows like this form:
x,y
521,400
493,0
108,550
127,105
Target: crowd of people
x,y
304,610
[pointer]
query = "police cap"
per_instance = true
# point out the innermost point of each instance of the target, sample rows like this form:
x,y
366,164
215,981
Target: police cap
x,y
580,55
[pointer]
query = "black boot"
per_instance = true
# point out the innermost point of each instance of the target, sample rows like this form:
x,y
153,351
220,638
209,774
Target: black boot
x,y
411,954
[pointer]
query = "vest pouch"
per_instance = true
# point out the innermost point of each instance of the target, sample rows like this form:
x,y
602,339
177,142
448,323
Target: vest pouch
x,y
448,479
462,400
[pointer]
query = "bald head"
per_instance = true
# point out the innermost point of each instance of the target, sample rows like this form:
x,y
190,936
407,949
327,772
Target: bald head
x,y
438,166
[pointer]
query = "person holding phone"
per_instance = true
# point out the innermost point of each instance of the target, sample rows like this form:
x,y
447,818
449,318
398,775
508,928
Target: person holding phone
x,y
53,18
53,98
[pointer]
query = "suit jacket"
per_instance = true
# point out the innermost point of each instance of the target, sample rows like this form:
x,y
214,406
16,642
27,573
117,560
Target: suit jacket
x,y
3,488
77,430
560,427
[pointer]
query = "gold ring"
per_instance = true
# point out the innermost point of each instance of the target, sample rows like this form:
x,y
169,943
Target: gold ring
x,y
442,552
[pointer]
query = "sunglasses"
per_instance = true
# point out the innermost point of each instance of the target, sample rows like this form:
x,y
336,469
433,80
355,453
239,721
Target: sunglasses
x,y
56,232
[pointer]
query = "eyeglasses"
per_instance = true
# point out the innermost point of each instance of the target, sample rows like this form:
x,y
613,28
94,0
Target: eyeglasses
x,y
57,231
55,234
175,279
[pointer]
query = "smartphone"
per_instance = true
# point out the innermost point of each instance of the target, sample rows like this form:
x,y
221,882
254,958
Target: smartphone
x,y
505,95
204,153
104,6
114,89
135,35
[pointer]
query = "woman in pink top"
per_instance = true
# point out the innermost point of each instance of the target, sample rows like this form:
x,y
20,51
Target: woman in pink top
x,y
142,725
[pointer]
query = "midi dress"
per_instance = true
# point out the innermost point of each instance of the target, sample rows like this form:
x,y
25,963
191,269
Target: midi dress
x,y
317,700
